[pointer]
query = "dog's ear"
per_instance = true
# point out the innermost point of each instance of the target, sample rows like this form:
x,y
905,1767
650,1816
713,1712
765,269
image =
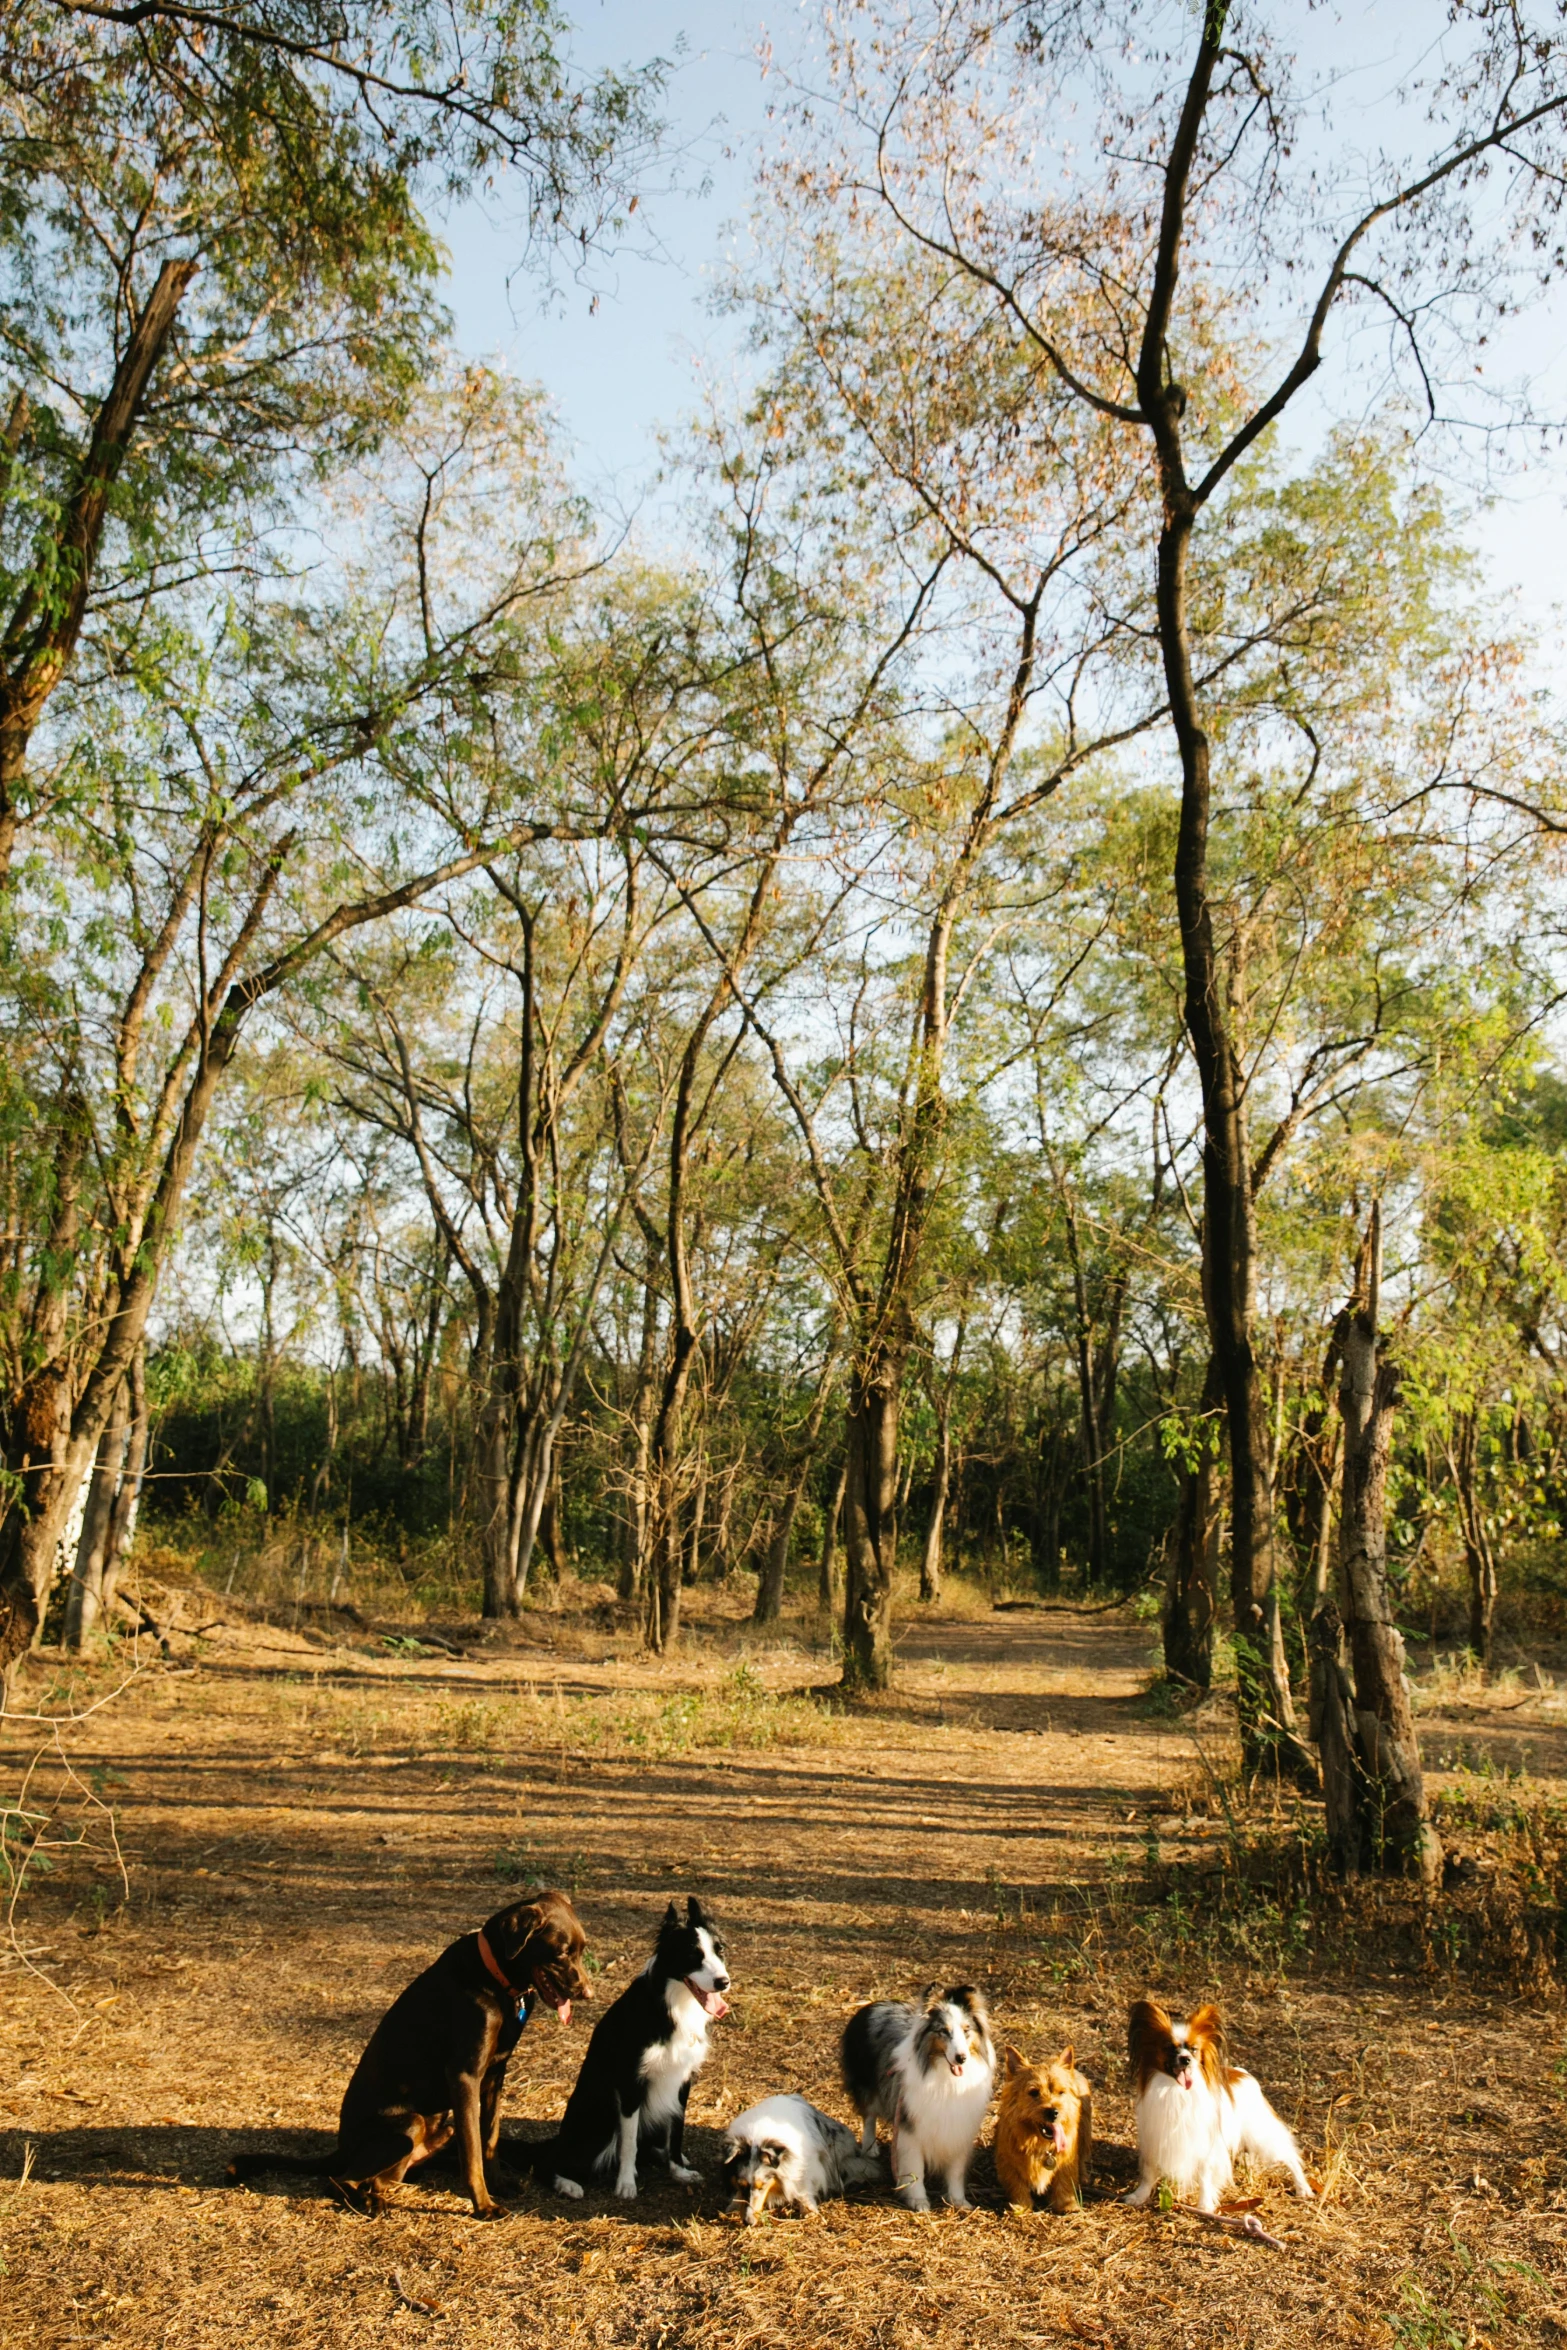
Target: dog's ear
x,y
510,1930
696,1915
928,1996
1067,2058
1147,2030
1014,2064
671,1916
1207,2024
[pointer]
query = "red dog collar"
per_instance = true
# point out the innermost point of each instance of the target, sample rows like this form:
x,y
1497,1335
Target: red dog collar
x,y
498,1971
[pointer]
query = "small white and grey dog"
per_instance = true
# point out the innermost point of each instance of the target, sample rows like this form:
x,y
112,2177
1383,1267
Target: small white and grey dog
x,y
928,2073
787,2147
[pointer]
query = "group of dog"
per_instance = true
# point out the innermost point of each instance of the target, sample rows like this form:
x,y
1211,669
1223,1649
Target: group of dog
x,y
435,2066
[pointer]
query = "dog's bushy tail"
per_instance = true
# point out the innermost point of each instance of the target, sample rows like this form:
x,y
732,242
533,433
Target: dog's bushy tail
x,y
862,2170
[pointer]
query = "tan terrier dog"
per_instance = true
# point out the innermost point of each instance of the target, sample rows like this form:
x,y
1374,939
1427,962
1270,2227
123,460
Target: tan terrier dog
x,y
1044,2133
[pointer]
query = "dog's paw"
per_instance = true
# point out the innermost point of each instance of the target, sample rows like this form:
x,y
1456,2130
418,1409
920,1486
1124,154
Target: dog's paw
x,y
684,2175
569,2187
626,2189
491,2211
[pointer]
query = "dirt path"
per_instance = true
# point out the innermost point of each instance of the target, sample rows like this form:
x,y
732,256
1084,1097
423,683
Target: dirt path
x,y
308,1825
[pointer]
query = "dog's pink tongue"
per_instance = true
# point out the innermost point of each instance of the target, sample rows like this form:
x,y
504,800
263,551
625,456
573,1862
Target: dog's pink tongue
x,y
714,2002
1059,2135
564,2011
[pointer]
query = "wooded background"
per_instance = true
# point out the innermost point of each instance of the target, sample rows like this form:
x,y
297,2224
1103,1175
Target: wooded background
x,y
986,997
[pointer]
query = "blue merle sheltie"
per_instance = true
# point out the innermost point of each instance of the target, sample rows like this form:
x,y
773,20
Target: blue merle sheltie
x,y
788,2148
644,2054
927,2072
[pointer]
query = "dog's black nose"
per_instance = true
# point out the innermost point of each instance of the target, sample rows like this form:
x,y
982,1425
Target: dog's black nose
x,y
720,1982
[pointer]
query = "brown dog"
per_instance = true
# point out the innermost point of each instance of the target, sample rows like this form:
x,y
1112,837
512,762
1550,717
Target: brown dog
x,y
1044,2133
436,2062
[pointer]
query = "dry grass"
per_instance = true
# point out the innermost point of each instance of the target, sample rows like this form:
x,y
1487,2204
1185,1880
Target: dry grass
x,y
308,1821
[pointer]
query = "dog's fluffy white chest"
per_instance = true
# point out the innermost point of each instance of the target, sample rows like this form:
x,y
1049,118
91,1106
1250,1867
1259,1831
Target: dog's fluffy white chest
x,y
1180,2132
944,2115
669,2064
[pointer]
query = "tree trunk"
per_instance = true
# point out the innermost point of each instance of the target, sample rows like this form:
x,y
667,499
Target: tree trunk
x,y
768,1605
1319,1524
84,1598
1479,1557
935,1528
47,645
665,1580
1266,1707
870,1518
829,1579
1047,1505
634,1554
1192,1599
1394,1826
723,1562
492,1450
693,1561
775,1566
550,1539
1332,1727
127,1502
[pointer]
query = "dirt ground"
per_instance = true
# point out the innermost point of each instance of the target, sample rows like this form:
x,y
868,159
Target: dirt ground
x,y
307,1820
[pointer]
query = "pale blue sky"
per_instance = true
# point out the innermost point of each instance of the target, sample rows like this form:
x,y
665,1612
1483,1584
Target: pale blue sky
x,y
620,372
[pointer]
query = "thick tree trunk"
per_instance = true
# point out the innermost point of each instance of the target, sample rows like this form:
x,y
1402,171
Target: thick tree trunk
x,y
84,1598
1192,1599
1395,1826
870,1518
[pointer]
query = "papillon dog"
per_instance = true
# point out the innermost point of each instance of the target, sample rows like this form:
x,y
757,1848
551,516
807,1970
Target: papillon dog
x,y
788,2148
928,2073
1195,2113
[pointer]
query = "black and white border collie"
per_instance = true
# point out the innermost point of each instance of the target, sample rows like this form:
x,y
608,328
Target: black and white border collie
x,y
644,2054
